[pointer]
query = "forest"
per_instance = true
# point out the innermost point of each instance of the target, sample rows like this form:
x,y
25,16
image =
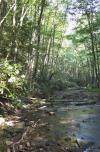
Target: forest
x,y
49,65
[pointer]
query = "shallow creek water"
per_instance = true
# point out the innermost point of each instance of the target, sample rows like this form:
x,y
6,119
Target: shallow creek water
x,y
81,123
69,122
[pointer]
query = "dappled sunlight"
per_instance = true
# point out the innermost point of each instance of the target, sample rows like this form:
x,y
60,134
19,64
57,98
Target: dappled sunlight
x,y
56,131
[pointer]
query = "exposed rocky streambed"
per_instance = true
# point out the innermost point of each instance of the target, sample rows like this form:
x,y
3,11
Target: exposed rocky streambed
x,y
68,122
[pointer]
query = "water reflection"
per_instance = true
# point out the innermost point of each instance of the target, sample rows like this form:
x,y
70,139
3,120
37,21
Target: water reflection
x,y
82,122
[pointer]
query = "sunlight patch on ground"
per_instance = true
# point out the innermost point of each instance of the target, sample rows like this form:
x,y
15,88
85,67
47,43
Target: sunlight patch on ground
x,y
10,121
2,121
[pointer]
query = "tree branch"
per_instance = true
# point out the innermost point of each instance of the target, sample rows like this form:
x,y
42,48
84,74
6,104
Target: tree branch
x,y
6,14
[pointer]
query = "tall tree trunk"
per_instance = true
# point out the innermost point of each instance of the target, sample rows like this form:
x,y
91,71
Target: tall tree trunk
x,y
90,24
38,37
97,58
3,10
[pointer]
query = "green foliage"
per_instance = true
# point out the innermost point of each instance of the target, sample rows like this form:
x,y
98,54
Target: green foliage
x,y
39,56
11,80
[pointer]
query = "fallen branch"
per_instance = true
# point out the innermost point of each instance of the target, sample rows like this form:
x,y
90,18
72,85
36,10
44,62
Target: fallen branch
x,y
23,136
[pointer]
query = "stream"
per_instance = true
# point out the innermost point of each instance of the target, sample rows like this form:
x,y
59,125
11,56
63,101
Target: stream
x,y
81,123
75,127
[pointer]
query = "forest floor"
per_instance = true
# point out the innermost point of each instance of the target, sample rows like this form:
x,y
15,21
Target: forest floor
x,y
63,123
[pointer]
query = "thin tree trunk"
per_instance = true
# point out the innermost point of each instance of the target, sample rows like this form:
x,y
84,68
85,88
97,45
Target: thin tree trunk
x,y
3,9
14,32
